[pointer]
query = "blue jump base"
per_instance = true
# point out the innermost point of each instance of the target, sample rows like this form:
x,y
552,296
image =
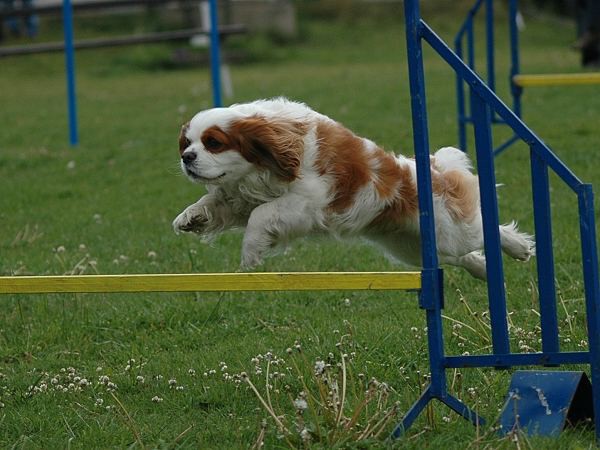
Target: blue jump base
x,y
486,109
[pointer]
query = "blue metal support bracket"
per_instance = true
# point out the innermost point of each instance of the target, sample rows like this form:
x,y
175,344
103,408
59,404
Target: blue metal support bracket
x,y
545,402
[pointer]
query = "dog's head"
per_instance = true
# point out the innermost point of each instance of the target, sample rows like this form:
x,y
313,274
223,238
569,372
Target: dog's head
x,y
222,145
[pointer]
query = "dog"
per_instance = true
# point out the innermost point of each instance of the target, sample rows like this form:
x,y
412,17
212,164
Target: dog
x,y
280,170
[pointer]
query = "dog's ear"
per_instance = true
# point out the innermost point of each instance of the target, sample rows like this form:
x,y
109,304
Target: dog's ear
x,y
275,144
184,142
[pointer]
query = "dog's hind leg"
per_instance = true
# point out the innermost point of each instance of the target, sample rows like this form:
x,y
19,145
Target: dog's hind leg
x,y
517,245
474,262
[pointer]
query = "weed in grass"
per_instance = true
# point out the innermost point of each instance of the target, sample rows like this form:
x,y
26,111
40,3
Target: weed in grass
x,y
328,401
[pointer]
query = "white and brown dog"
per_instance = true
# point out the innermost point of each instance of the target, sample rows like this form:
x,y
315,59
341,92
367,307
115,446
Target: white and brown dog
x,y
278,169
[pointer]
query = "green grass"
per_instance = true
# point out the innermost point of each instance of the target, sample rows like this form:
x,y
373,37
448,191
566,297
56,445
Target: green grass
x,y
107,207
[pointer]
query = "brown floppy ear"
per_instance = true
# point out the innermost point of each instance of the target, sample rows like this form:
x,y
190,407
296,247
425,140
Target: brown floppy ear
x,y
274,144
184,142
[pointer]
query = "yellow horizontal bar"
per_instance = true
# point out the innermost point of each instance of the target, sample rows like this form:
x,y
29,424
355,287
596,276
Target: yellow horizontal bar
x,y
557,79
212,282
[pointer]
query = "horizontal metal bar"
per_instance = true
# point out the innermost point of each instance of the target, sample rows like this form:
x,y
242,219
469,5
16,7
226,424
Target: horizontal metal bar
x,y
80,6
212,282
149,38
557,79
510,141
517,359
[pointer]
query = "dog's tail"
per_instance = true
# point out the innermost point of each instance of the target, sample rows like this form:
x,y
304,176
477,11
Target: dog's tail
x,y
450,158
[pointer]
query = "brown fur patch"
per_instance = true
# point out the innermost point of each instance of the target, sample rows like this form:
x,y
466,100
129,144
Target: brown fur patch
x,y
276,145
184,142
405,203
342,156
459,190
215,140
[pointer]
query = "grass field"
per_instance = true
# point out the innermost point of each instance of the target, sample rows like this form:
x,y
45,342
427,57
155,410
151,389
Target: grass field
x,y
165,370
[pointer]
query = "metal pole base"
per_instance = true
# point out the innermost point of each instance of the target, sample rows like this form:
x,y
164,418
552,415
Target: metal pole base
x,y
452,402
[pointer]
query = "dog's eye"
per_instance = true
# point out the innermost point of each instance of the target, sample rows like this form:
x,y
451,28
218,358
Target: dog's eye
x,y
212,144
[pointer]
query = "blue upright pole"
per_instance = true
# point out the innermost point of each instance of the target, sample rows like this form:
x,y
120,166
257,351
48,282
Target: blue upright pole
x,y
589,249
431,296
215,54
516,91
545,256
489,19
70,71
489,211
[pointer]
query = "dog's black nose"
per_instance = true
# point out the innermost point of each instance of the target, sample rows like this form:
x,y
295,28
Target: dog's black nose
x,y
188,157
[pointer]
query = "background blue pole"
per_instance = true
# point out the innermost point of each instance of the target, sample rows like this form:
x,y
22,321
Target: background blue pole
x,y
516,91
70,71
215,54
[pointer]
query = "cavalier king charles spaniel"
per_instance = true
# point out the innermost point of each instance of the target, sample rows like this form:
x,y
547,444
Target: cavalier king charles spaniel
x,y
279,170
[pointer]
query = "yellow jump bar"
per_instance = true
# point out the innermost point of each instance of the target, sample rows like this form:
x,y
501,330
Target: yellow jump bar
x,y
212,282
557,79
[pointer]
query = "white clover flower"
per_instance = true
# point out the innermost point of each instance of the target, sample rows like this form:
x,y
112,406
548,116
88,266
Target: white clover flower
x,y
139,379
192,372
172,382
319,367
60,249
179,388
152,254
300,404
71,165
305,435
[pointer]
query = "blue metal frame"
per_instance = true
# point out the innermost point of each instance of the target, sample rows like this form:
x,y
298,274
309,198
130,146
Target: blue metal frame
x,y
466,32
67,13
215,54
484,105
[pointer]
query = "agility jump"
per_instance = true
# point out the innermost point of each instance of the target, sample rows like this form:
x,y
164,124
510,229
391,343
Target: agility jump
x,y
429,282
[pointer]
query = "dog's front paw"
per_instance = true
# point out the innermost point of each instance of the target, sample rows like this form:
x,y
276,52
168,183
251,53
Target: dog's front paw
x,y
191,220
250,260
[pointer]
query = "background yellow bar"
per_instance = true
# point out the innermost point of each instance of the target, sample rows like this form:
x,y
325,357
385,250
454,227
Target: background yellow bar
x,y
557,79
207,282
